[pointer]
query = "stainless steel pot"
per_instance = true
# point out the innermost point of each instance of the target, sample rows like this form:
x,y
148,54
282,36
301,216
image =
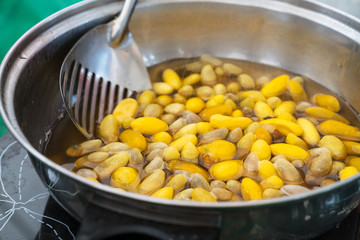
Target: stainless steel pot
x,y
300,36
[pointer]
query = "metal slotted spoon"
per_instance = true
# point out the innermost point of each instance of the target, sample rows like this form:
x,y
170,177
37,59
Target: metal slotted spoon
x,y
104,67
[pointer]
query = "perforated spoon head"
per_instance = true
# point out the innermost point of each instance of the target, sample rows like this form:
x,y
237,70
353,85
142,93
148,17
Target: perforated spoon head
x,y
99,71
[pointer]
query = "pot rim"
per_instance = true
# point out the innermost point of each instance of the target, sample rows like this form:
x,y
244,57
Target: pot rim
x,y
336,16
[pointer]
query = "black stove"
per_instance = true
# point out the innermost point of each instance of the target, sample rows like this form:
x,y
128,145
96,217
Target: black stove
x,y
27,211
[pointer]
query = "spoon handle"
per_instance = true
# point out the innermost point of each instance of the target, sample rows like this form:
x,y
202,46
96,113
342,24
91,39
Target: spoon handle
x,y
120,24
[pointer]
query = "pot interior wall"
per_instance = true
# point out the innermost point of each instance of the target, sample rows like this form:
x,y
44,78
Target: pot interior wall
x,y
298,42
275,37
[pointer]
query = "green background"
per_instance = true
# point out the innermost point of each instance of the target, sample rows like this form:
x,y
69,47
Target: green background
x,y
18,16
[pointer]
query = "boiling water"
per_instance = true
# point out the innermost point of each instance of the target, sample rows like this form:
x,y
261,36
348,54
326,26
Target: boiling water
x,y
66,134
